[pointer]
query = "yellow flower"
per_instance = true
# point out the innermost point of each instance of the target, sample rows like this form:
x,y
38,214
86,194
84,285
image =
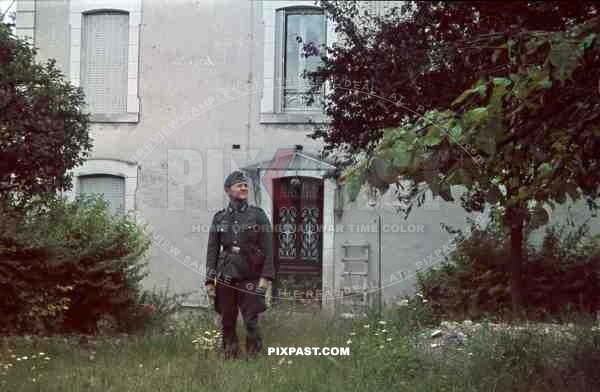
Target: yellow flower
x,y
352,333
366,325
349,341
382,322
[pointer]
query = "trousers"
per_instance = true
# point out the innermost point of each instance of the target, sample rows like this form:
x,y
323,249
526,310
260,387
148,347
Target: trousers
x,y
242,296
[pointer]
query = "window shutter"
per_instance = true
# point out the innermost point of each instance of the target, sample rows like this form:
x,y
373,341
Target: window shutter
x,y
104,51
112,188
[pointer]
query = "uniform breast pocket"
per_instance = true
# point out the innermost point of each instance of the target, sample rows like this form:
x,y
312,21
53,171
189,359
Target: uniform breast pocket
x,y
250,232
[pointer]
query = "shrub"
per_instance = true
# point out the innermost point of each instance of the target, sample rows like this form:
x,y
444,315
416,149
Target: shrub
x,y
415,313
64,266
560,276
154,310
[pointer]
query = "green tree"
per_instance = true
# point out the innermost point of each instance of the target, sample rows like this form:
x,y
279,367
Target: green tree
x,y
523,131
43,130
419,57
517,141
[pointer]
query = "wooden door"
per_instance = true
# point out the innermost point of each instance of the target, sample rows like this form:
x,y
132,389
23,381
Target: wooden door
x,y
298,222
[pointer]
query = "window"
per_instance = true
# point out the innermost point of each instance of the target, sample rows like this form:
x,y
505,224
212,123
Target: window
x,y
104,58
112,188
296,27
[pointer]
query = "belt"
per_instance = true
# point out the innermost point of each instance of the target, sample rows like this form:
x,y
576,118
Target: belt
x,y
233,249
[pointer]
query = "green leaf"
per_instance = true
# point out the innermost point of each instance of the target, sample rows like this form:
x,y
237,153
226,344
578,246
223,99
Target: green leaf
x,y
353,187
476,116
501,82
433,137
587,42
401,157
480,88
545,169
533,44
455,132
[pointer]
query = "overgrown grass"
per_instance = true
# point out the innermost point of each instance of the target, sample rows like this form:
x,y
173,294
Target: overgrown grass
x,y
383,357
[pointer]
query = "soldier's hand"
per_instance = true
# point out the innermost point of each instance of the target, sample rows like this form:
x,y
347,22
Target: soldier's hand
x,y
211,293
263,283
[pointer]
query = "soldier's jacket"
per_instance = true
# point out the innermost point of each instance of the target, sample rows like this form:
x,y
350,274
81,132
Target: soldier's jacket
x,y
238,228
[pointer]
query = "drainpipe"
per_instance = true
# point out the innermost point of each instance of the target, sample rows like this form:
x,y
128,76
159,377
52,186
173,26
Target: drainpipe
x,y
373,203
379,288
250,75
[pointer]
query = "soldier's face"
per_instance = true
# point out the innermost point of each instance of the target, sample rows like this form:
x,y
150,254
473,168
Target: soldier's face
x,y
238,191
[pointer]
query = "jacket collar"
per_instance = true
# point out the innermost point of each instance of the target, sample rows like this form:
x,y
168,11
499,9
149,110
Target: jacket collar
x,y
241,206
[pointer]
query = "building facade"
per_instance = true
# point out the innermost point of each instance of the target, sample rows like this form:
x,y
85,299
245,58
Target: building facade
x,y
183,92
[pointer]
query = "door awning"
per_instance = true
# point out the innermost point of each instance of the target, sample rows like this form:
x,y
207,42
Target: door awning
x,y
293,161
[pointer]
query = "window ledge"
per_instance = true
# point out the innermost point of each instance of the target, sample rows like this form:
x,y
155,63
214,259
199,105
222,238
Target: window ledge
x,y
293,118
115,117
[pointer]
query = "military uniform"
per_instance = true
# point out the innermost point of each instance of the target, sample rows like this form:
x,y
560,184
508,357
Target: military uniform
x,y
234,231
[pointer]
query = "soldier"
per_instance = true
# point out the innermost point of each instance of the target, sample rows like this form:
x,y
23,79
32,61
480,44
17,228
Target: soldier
x,y
239,265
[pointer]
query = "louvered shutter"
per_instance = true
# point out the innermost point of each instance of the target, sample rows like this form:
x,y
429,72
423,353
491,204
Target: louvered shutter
x,y
112,188
104,51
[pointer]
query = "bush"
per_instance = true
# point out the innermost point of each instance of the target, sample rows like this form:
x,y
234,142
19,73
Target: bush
x,y
414,313
559,277
154,310
65,266
531,361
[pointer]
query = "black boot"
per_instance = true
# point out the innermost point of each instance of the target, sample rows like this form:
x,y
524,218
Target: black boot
x,y
231,346
253,346
231,349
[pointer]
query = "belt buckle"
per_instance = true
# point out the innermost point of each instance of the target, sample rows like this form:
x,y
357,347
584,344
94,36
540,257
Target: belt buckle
x,y
235,249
